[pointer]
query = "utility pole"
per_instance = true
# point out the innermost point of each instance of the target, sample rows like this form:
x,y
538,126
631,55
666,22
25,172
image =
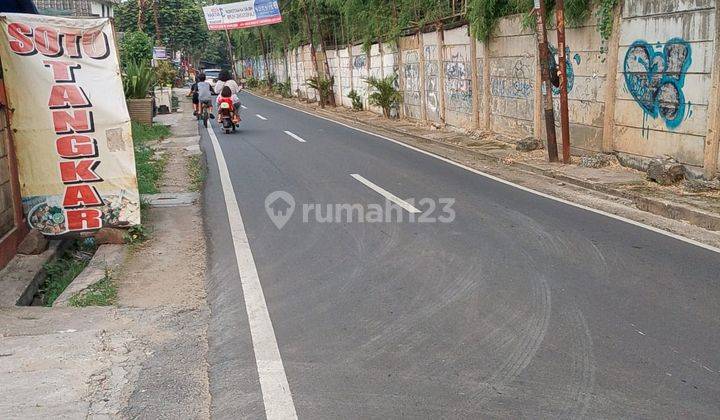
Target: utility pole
x,y
545,71
562,58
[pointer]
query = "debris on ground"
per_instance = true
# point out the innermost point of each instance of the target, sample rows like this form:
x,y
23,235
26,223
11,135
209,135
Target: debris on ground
x,y
34,243
701,186
598,160
666,171
528,144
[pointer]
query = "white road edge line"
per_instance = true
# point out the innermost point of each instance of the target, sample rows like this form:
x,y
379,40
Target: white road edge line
x,y
273,381
243,107
506,182
387,194
261,117
295,136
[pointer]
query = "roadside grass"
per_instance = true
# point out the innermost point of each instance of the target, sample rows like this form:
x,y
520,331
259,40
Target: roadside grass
x,y
149,168
102,293
61,271
196,170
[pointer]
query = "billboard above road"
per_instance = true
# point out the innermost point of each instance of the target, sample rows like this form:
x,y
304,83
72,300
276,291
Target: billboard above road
x,y
70,123
244,14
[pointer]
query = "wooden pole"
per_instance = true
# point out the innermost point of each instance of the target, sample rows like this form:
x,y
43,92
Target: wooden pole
x,y
562,65
544,66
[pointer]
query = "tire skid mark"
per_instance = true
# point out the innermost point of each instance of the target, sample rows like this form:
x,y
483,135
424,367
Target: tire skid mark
x,y
583,366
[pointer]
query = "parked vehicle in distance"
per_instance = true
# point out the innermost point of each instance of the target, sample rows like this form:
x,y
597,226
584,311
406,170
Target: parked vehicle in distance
x,y
212,75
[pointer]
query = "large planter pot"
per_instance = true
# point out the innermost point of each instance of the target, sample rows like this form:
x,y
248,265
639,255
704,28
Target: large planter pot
x,y
140,110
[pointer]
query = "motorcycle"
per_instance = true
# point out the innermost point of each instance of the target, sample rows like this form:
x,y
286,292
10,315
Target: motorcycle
x,y
226,118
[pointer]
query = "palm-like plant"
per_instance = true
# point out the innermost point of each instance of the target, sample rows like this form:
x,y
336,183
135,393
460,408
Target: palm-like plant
x,y
138,79
384,93
322,86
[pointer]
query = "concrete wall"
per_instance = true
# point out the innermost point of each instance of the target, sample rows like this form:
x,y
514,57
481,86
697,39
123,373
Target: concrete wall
x,y
664,109
587,74
410,77
457,80
512,62
617,103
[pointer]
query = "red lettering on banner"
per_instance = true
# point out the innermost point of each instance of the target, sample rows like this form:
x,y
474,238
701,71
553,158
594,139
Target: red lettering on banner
x,y
72,45
20,42
81,196
76,171
76,146
67,95
96,45
71,111
83,219
63,71
47,42
80,121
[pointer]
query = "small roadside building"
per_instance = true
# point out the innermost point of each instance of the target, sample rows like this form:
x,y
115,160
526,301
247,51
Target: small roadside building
x,y
13,227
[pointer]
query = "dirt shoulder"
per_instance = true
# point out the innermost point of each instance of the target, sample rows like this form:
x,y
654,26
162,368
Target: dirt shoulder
x,y
146,356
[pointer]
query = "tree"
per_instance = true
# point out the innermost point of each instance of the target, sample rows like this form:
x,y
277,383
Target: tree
x,y
135,47
181,23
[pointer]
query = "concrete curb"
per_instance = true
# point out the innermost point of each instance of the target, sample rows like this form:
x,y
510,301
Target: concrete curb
x,y
107,257
21,278
675,211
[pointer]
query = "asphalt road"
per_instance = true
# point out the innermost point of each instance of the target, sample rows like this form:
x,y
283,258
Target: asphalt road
x,y
520,307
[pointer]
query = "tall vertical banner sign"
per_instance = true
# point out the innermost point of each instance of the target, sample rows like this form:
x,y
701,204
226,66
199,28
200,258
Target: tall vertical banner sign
x,y
70,123
244,14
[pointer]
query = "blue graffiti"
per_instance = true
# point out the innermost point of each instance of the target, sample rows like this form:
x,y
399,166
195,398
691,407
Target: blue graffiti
x,y
655,76
569,68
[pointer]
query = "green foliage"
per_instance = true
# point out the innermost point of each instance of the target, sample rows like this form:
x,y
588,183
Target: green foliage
x,y
484,14
136,235
102,293
165,73
196,170
181,22
138,79
252,83
323,87
149,168
605,17
384,93
59,273
356,99
284,89
135,47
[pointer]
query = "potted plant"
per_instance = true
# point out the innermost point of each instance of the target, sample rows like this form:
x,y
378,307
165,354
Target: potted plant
x,y
139,80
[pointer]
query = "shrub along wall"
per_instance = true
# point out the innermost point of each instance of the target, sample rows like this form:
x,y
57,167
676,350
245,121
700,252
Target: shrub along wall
x,y
648,91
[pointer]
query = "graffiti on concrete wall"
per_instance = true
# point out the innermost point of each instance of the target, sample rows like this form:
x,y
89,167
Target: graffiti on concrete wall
x,y
359,61
411,76
655,76
458,85
511,88
569,66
